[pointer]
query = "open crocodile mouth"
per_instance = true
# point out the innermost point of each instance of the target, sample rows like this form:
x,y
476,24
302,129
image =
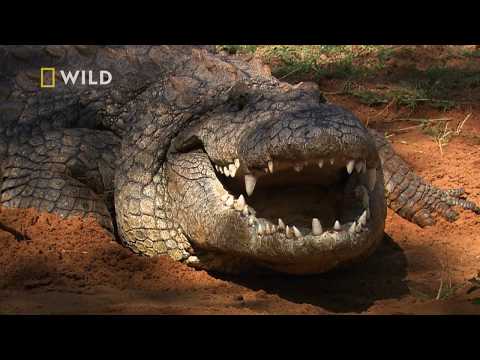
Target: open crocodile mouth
x,y
320,199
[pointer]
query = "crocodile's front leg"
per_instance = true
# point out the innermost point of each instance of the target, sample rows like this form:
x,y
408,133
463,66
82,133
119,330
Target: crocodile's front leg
x,y
66,171
411,196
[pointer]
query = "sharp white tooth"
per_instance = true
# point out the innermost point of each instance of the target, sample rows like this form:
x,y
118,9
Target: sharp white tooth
x,y
269,229
351,230
316,227
337,225
320,163
250,182
350,166
296,232
240,204
270,166
359,166
273,229
217,168
358,227
229,201
260,229
363,218
237,163
288,232
332,160
226,171
220,169
365,199
232,169
245,211
372,178
251,220
281,224
298,167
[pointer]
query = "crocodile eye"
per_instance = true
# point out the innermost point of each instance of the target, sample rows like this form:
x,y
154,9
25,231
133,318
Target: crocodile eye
x,y
238,103
186,144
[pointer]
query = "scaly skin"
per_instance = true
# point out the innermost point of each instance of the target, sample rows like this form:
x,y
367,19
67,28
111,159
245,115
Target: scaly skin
x,y
154,148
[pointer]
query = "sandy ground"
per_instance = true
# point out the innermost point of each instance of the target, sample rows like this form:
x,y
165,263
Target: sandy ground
x,y
74,267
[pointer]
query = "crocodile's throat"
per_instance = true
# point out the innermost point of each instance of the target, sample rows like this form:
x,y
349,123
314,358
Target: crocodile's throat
x,y
319,199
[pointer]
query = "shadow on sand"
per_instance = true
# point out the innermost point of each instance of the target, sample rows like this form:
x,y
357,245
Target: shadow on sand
x,y
352,289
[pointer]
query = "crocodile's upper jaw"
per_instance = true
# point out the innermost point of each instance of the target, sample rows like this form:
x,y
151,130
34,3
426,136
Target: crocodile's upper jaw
x,y
303,216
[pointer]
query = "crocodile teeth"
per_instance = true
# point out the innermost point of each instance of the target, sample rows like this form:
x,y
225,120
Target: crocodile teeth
x,y
260,229
337,225
270,229
320,164
288,232
359,166
237,163
226,171
233,169
250,182
240,203
245,211
251,220
266,229
350,166
365,199
229,201
296,232
316,227
298,167
270,166
220,169
281,224
372,178
363,218
352,228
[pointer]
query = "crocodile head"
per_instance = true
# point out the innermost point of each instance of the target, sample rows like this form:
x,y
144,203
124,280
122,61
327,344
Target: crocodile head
x,y
276,178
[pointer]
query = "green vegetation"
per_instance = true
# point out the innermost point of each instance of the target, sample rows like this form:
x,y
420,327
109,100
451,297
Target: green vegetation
x,y
439,85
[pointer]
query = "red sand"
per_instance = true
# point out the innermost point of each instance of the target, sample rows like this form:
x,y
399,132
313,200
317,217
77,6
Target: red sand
x,y
74,266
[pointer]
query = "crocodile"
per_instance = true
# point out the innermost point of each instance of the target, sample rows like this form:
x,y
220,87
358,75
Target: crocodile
x,y
204,157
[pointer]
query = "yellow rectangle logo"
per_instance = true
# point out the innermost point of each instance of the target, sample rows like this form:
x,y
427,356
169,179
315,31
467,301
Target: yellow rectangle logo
x,y
46,70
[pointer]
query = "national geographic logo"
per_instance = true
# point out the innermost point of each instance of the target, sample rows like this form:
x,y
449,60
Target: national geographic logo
x,y
48,77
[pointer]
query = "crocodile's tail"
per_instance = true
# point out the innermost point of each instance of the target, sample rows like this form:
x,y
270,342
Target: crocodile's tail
x,y
411,196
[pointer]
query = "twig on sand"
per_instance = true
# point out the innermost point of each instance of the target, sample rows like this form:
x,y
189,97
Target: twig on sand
x,y
458,130
421,120
440,289
381,112
407,128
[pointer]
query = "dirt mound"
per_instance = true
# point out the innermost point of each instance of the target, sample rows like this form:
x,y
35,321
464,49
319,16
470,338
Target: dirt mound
x,y
75,266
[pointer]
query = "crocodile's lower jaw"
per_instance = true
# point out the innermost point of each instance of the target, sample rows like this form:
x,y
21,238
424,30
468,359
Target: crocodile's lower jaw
x,y
305,217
